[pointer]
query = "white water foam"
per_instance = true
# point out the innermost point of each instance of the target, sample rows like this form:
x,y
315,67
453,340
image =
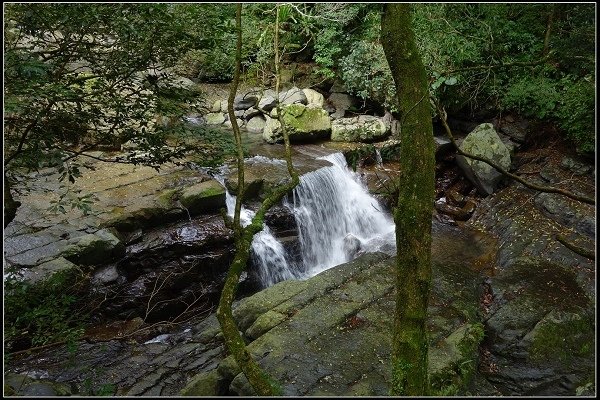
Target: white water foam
x,y
336,218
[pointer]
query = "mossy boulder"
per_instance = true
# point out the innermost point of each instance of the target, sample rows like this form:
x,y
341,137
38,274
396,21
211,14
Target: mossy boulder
x,y
204,384
453,361
304,124
203,197
484,141
364,128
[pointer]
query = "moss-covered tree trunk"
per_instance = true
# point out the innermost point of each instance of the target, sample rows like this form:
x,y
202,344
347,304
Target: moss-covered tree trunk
x,y
262,383
415,203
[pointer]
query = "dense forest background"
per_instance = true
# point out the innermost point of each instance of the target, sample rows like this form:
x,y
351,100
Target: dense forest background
x,y
82,76
76,68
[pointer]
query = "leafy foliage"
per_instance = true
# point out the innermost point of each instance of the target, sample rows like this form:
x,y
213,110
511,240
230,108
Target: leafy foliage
x,y
39,314
213,146
460,40
84,74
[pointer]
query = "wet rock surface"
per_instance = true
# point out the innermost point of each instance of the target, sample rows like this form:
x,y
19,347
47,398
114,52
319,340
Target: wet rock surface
x,y
325,335
510,314
540,299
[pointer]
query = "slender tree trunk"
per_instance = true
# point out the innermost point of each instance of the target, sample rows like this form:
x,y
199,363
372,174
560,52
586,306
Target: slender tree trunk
x,y
262,383
415,203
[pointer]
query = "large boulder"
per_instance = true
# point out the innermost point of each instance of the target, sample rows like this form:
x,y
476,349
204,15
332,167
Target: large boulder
x,y
272,130
364,128
244,102
267,101
292,96
94,248
215,118
256,124
304,124
484,141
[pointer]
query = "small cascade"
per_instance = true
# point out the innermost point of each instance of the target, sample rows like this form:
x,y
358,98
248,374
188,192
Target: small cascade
x,y
267,252
336,218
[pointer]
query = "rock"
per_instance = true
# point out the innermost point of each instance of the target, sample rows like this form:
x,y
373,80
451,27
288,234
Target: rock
x,y
517,131
216,107
38,389
106,275
251,113
48,269
292,96
256,124
540,330
94,249
484,141
203,384
313,98
240,113
443,145
577,167
267,101
240,123
304,124
244,102
364,128
31,249
203,197
341,102
352,245
392,124
272,130
214,118
262,176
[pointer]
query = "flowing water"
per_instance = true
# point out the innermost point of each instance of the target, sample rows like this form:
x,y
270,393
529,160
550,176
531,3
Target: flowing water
x,y
336,218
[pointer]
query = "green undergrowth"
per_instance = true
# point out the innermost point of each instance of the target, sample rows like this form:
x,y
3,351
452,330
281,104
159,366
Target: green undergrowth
x,y
43,313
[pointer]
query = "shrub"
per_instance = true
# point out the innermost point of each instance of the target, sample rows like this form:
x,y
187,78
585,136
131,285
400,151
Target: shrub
x,y
43,313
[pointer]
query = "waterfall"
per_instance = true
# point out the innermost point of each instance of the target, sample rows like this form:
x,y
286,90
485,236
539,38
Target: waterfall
x,y
336,218
267,252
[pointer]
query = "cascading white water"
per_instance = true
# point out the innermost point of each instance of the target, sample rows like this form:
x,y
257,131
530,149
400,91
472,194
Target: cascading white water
x,y
267,252
336,218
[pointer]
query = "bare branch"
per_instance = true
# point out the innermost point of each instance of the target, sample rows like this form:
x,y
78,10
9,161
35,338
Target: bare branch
x,y
546,189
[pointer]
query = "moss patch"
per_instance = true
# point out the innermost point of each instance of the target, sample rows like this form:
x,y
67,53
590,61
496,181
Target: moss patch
x,y
561,337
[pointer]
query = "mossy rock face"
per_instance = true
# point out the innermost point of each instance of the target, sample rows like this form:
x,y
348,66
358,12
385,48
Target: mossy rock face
x,y
365,128
561,337
204,384
204,197
48,269
453,362
304,124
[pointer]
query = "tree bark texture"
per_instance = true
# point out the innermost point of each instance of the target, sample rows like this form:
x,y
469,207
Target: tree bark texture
x,y
415,203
